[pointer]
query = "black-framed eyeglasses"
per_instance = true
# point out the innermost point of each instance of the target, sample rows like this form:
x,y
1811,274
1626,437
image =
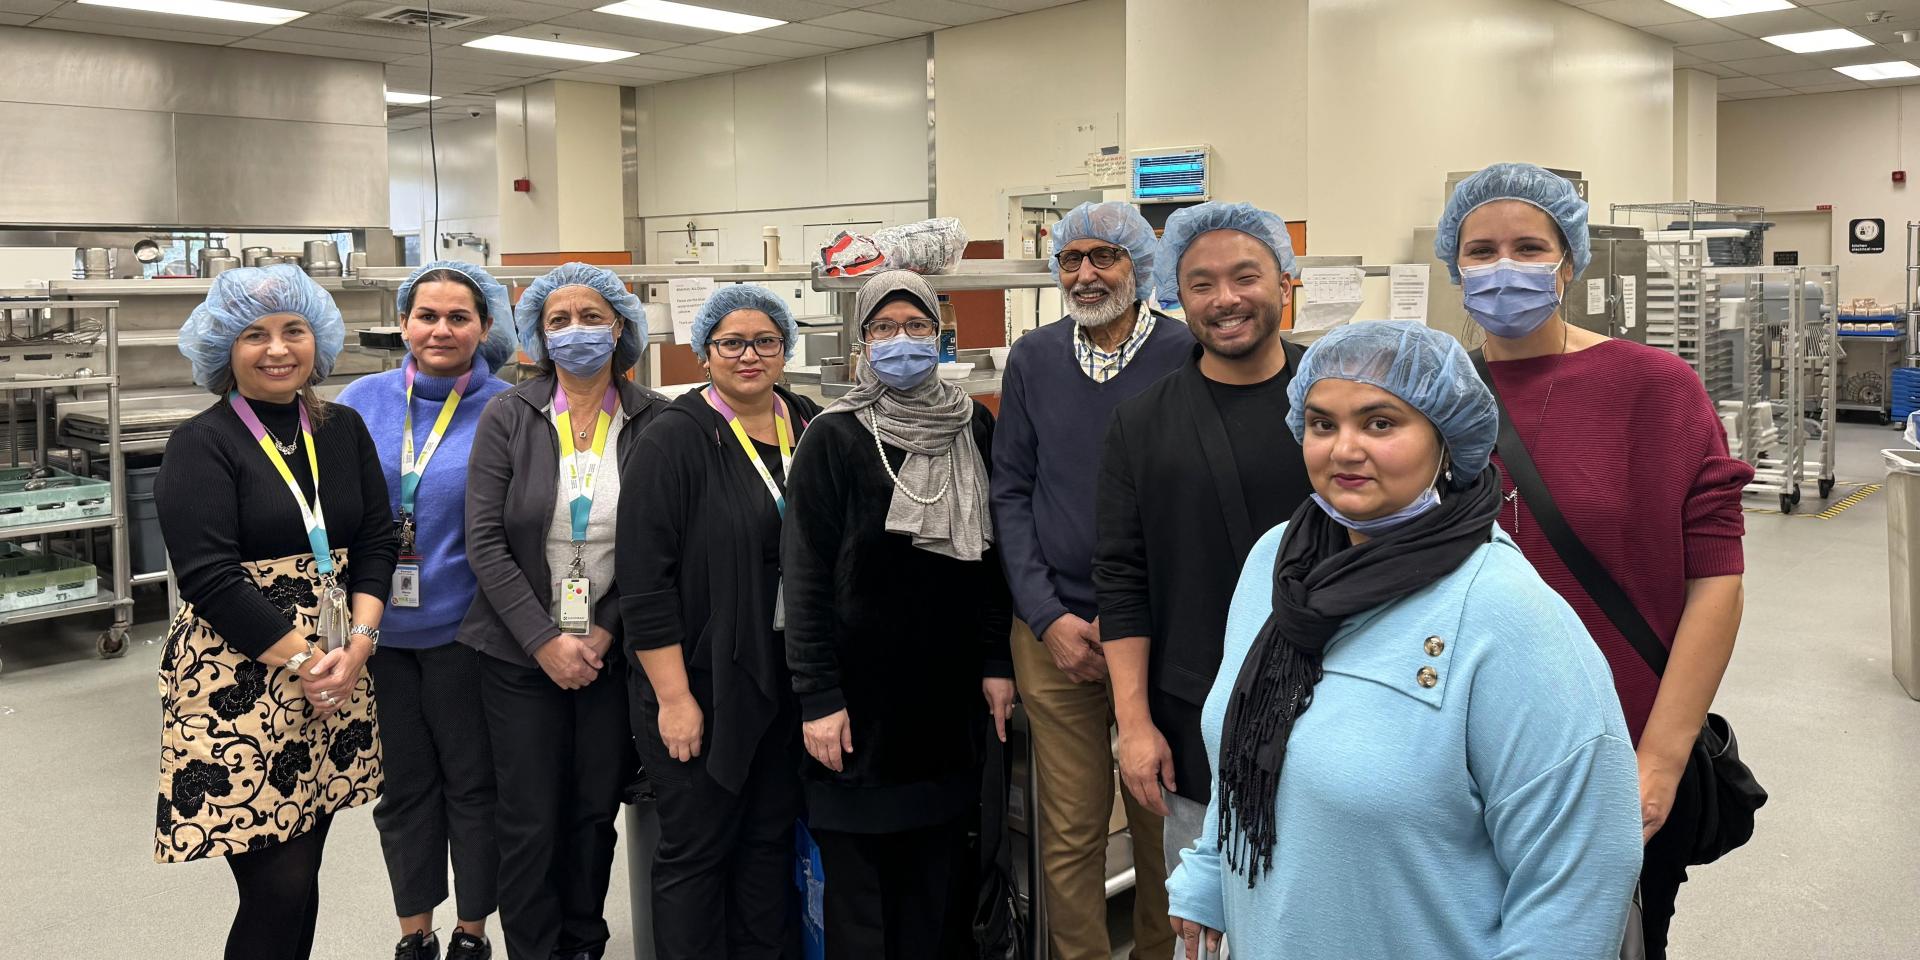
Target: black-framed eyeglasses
x,y
1102,257
888,329
733,348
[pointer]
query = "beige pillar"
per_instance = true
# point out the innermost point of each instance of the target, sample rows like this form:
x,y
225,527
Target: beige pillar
x,y
564,136
1696,135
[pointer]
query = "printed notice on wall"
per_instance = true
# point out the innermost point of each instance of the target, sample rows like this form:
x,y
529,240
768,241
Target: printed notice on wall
x,y
684,296
1328,296
1106,169
1407,288
1629,301
1596,297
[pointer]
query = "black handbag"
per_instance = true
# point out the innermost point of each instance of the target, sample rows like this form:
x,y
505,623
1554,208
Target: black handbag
x,y
1724,793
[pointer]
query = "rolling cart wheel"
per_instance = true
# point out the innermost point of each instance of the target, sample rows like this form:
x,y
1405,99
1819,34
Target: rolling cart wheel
x,y
1826,488
112,644
1786,503
1796,496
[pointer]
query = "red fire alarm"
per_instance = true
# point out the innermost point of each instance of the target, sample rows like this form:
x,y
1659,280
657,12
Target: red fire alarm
x,y
1899,176
523,185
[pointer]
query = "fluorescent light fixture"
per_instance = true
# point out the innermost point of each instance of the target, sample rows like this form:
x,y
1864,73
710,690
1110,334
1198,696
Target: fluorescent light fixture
x,y
1890,70
408,98
549,48
1818,41
1715,9
688,15
210,9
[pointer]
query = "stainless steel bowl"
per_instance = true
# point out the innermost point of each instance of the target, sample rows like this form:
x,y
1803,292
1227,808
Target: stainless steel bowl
x,y
251,256
219,265
322,251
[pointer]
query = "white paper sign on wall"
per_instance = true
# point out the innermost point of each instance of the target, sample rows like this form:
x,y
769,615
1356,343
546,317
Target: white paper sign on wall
x,y
684,296
1407,290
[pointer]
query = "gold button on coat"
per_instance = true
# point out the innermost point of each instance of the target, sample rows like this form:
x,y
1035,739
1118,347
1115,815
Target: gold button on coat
x,y
1428,676
1435,646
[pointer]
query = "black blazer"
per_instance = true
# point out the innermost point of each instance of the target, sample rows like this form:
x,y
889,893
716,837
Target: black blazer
x,y
512,474
1171,532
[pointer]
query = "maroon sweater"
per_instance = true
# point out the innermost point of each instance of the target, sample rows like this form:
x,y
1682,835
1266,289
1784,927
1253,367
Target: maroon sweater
x,y
1634,454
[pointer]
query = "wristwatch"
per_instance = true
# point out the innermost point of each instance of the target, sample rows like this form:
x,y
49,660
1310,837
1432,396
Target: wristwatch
x,y
371,633
299,660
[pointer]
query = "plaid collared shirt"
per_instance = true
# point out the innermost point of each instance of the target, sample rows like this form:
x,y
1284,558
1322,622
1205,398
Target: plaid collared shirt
x,y
1102,366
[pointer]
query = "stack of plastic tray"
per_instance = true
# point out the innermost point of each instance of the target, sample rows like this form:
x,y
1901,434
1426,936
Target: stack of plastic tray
x,y
34,580
58,496
1906,392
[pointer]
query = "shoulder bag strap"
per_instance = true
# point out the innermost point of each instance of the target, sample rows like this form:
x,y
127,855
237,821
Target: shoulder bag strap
x,y
1584,566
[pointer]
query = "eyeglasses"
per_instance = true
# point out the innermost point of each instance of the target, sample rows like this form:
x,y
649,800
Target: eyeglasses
x,y
1102,257
733,348
888,329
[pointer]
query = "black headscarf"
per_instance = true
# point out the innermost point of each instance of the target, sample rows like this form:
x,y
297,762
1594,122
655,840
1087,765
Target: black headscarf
x,y
1320,579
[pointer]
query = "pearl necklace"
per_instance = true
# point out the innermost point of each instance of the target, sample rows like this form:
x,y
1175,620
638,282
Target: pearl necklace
x,y
873,425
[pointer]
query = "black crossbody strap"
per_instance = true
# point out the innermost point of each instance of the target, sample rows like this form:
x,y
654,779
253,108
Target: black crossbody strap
x,y
1580,561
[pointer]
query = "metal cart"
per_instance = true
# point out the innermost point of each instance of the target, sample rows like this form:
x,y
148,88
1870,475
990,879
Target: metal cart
x,y
48,347
1785,365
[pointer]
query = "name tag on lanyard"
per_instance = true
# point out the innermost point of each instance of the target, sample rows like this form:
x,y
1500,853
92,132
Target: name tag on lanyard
x,y
333,613
407,586
573,595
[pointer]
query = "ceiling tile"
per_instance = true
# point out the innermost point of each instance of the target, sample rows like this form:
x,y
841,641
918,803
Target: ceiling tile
x,y
1805,78
1853,13
313,50
1684,59
202,26
738,58
792,11
548,31
354,40
877,23
1028,6
622,73
1733,50
661,34
1757,94
523,11
1780,21
1761,66
677,64
361,27
1843,86
35,7
1717,69
17,19
1697,31
1843,58
1745,85
488,62
1640,13
821,36
131,30
955,14
788,49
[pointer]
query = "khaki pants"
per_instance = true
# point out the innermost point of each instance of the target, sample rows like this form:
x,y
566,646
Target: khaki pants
x,y
1073,761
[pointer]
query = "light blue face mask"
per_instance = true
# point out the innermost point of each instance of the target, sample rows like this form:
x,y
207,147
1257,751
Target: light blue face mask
x,y
579,350
902,362
1427,500
1511,298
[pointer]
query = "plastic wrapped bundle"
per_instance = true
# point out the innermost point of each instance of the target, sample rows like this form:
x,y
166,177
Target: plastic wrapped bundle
x,y
928,246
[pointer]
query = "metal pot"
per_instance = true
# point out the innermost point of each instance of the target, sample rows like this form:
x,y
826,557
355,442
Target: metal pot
x,y
219,265
324,269
322,251
251,256
207,256
96,263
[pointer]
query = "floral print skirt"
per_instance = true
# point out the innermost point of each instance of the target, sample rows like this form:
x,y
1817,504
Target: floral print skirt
x,y
245,762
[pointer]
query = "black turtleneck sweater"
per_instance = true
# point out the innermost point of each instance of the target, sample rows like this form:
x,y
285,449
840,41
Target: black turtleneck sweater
x,y
222,503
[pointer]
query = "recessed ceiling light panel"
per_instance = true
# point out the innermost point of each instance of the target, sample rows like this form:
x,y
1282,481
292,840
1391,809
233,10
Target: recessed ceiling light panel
x,y
1890,70
208,9
1818,41
408,99
552,49
1715,9
688,15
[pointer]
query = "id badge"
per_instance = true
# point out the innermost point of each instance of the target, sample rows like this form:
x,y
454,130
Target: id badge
x,y
406,585
780,604
576,614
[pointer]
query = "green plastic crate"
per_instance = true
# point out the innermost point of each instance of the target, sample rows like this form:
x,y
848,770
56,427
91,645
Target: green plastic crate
x,y
64,497
30,580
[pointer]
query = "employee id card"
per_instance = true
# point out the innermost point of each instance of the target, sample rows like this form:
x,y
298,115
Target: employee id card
x,y
574,611
406,573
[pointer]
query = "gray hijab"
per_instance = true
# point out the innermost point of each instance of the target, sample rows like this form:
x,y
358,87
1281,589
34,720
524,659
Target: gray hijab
x,y
932,423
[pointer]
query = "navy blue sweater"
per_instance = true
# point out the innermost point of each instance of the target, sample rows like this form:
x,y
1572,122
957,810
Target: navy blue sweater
x,y
1046,462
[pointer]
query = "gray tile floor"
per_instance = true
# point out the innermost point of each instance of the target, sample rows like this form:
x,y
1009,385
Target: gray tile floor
x,y
1834,871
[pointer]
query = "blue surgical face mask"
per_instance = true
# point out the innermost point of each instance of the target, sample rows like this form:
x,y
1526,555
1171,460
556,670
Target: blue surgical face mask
x,y
902,362
1427,500
1511,298
579,350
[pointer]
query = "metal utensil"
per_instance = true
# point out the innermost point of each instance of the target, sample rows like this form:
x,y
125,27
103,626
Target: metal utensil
x,y
148,251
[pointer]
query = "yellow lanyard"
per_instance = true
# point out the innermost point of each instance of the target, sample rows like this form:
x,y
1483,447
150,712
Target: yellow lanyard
x,y
580,476
781,429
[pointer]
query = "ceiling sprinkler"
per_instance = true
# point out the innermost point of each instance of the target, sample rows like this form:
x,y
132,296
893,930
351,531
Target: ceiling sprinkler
x,y
1909,36
1878,16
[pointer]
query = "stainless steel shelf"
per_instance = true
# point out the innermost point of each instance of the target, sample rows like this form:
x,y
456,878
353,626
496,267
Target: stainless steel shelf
x,y
967,275
27,531
54,383
103,599
170,288
389,278
97,447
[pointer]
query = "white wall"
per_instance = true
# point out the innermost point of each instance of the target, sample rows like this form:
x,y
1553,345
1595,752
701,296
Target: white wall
x,y
1402,92
469,185
1020,102
1796,153
525,121
1696,135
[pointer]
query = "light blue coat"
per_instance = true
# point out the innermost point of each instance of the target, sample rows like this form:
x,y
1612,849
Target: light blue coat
x,y
1492,816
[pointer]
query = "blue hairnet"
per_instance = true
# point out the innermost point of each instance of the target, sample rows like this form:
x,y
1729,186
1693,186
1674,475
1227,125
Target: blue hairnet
x,y
239,298
1422,366
1119,224
1551,192
1190,222
499,348
527,314
743,296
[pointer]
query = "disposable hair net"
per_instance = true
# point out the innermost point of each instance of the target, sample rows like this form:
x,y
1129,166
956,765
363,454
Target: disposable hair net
x,y
1422,366
1190,222
533,302
500,346
1552,193
743,296
239,298
1119,224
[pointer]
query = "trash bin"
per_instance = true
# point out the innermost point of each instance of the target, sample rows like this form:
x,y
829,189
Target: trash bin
x,y
1903,525
643,836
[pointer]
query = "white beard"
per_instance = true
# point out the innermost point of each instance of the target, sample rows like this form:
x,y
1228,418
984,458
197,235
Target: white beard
x,y
1095,316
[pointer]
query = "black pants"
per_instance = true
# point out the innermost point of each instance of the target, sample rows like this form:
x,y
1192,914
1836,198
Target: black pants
x,y
560,759
279,897
723,872
438,797
899,896
1664,867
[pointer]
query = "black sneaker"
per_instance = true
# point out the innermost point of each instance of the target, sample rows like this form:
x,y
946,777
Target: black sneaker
x,y
466,946
417,946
